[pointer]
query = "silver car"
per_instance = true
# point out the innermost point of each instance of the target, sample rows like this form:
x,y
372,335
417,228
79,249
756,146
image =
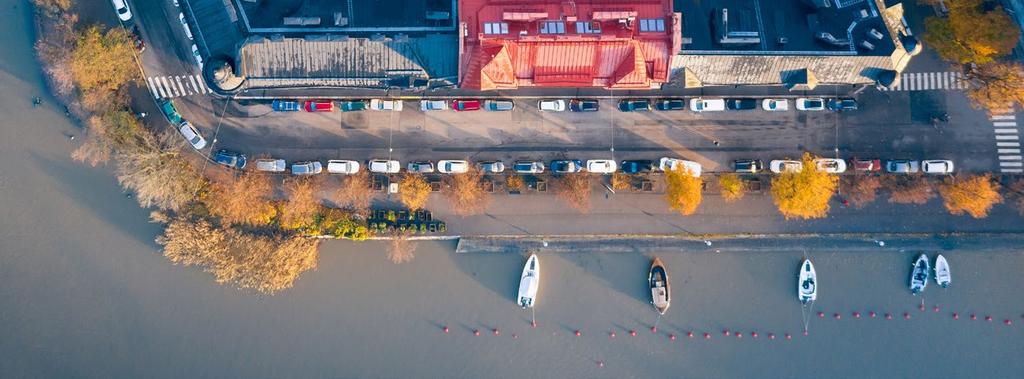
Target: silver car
x,y
901,166
192,135
491,167
271,165
528,167
307,168
422,167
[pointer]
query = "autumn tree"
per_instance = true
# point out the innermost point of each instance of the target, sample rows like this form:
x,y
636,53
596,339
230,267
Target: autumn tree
x,y
804,194
861,189
682,190
355,192
243,199
53,6
466,193
621,181
302,202
973,195
731,186
158,174
514,182
112,131
414,190
400,248
973,32
101,64
575,189
908,189
996,86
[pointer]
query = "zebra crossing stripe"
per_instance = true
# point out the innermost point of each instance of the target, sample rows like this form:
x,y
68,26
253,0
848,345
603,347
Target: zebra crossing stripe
x,y
1008,144
1010,157
184,89
152,88
1011,164
1004,123
1006,131
1012,170
1006,137
167,87
202,86
1009,151
1004,117
192,81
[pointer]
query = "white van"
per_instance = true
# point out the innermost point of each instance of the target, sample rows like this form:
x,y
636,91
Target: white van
x,y
337,166
707,105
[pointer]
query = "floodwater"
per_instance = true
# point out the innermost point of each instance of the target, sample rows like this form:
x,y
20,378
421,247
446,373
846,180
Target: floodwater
x,y
85,293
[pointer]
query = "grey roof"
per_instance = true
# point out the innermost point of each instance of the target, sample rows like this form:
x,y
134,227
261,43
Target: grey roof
x,y
713,70
342,61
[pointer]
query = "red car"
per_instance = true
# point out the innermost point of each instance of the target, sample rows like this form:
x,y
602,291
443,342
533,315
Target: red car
x,y
866,164
465,105
319,106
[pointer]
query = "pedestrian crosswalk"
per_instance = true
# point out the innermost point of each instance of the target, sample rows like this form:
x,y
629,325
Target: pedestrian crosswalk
x,y
164,87
1007,142
927,81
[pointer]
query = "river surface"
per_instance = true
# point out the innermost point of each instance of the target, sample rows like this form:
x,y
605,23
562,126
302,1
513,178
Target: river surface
x,y
85,293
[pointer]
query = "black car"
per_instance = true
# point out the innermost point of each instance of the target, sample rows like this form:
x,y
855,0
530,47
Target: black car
x,y
670,104
634,105
637,166
741,104
566,166
840,105
230,158
749,166
583,105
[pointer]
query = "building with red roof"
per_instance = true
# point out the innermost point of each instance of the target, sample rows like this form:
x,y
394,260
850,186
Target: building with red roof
x,y
616,44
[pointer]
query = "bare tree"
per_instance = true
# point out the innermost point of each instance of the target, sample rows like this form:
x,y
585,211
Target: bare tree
x,y
466,193
246,198
355,192
909,189
575,189
861,189
302,203
157,173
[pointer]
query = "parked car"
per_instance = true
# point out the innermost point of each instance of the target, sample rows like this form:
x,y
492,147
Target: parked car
x,y
830,165
780,166
499,105
353,105
775,105
386,105
840,105
284,106
491,167
338,166
192,135
465,105
422,167
691,167
229,158
307,168
670,104
637,166
383,166
707,105
184,25
810,104
528,167
551,105
937,166
748,166
867,164
270,165
602,166
901,166
452,166
319,106
140,45
121,7
566,166
583,105
741,104
433,105
197,56
634,105
170,111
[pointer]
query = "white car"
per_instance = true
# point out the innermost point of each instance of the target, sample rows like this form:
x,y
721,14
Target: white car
x,y
195,54
271,165
551,105
780,166
191,135
707,105
184,26
338,166
386,105
775,105
830,165
121,7
175,3
422,167
602,166
433,105
810,104
452,166
307,168
383,166
667,164
937,166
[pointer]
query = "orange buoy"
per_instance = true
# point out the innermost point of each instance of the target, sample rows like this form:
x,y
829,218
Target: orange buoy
x,y
974,316
789,336
1007,322
578,333
611,335
906,316
805,332
707,335
856,314
533,324
988,318
771,336
476,332
872,314
739,335
672,337
496,332
689,334
445,328
821,314
632,333
514,336
654,329
837,316
921,307
726,332
935,309
753,334
600,363
888,316
956,316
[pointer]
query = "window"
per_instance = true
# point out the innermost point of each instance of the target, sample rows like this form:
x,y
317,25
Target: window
x,y
652,25
585,27
552,27
495,28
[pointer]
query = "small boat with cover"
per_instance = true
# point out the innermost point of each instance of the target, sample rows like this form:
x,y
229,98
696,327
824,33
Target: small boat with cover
x,y
658,280
919,274
942,275
807,283
529,282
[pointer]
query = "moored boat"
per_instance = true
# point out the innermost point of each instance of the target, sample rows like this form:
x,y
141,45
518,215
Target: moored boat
x,y
942,275
529,282
658,280
807,283
919,274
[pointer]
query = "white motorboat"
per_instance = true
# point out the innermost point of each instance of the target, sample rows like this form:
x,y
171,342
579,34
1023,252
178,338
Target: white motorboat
x,y
942,275
919,274
529,282
807,283
657,278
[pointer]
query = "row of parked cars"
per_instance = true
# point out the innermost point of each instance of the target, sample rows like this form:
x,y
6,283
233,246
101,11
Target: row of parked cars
x,y
839,166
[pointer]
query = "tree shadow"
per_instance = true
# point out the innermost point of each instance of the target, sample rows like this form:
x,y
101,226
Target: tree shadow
x,y
625,273
499,273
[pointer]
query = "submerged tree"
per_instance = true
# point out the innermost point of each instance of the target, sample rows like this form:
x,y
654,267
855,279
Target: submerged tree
x,y
804,194
401,249
157,173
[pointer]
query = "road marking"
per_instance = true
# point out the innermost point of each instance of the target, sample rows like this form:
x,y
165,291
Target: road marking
x,y
170,90
184,89
1005,117
192,80
1008,144
1005,137
202,86
1010,157
1011,164
1004,123
1006,131
1009,151
1012,170
152,88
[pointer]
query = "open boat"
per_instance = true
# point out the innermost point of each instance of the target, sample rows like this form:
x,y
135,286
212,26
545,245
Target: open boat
x,y
919,275
807,283
658,279
942,276
529,282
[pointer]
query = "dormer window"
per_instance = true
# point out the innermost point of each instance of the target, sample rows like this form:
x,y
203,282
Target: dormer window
x,y
586,27
495,28
652,25
552,27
